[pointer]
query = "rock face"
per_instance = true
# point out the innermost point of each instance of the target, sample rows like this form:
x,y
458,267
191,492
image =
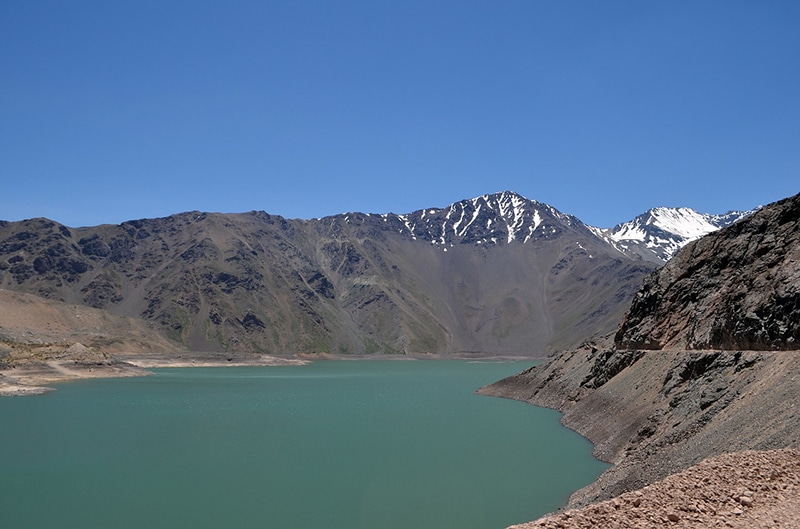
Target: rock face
x,y
499,274
737,288
705,362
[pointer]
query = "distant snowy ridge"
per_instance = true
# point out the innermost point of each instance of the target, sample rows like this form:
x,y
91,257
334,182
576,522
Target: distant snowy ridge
x,y
663,231
507,217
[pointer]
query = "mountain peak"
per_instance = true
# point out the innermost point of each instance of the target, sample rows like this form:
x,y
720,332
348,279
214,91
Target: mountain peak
x,y
488,219
661,231
504,194
507,217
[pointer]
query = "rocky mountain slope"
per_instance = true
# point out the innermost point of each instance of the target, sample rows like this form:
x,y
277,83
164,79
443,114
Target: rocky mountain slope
x,y
655,412
495,274
738,288
43,341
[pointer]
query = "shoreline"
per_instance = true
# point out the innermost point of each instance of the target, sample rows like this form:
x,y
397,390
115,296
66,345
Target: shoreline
x,y
654,413
36,377
738,490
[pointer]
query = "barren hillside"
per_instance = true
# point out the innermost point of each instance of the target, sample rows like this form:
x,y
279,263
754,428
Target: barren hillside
x,y
32,320
681,382
498,274
744,490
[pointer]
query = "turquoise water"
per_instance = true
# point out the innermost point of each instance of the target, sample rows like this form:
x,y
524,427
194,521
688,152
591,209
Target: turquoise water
x,y
346,444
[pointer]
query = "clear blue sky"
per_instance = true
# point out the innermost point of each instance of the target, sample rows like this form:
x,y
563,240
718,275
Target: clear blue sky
x,y
111,111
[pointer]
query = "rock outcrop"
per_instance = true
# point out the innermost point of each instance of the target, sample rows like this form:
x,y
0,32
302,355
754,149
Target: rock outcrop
x,y
737,288
664,410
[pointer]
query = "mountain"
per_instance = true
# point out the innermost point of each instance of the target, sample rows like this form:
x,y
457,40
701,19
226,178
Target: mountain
x,y
496,274
36,333
737,288
660,232
705,362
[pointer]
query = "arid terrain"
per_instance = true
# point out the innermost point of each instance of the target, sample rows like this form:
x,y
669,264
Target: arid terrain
x,y
44,341
743,490
498,274
693,400
653,413
680,382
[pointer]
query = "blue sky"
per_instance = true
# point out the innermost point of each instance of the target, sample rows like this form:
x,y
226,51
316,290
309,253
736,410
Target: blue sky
x,y
111,111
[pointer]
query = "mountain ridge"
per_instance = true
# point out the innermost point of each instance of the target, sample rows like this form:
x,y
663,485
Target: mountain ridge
x,y
736,288
662,231
497,273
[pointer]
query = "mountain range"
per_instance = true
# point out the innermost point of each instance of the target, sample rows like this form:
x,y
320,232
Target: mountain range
x,y
497,273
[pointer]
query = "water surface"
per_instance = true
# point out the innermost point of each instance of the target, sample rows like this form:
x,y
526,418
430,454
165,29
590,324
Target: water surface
x,y
339,445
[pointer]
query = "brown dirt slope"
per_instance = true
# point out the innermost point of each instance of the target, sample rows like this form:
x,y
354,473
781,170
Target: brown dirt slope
x,y
745,490
35,321
44,341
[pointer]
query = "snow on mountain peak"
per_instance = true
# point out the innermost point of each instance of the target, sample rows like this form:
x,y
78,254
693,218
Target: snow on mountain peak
x,y
488,219
685,223
508,217
662,231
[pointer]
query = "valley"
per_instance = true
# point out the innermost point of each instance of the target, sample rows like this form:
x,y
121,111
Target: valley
x,y
661,367
497,274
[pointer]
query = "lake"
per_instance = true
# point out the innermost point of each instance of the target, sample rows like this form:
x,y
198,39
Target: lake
x,y
332,444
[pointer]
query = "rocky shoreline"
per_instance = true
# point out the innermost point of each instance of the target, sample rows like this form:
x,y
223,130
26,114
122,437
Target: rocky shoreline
x,y
657,412
654,413
36,378
704,363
